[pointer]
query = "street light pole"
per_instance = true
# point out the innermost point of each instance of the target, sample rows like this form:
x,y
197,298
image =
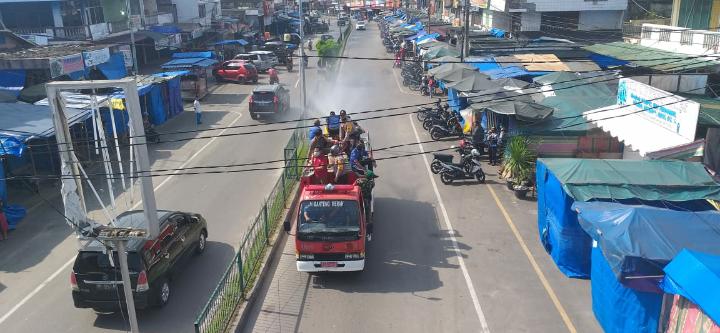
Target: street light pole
x,y
127,286
466,30
302,55
132,36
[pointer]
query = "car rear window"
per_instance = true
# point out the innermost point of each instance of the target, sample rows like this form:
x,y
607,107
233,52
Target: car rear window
x,y
263,96
234,65
91,261
250,67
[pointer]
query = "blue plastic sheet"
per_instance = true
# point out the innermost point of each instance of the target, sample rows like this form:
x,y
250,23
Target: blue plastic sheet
x,y
3,183
175,104
560,233
638,240
12,81
14,214
114,68
202,54
619,309
695,276
156,108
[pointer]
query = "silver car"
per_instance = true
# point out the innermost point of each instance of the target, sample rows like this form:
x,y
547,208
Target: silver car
x,y
261,64
268,57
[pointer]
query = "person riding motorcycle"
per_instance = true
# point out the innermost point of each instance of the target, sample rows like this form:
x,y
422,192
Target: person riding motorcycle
x,y
289,63
310,45
305,59
272,72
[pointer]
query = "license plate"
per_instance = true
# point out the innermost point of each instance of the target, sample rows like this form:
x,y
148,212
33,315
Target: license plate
x,y
328,264
105,286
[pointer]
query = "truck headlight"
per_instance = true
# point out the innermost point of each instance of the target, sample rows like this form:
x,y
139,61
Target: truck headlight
x,y
305,256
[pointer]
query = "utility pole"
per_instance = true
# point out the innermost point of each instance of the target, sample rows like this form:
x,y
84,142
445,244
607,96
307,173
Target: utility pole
x,y
302,55
466,31
131,26
127,285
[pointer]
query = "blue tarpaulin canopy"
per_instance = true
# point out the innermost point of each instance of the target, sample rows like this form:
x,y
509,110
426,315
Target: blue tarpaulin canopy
x,y
510,71
203,54
114,68
638,240
188,63
427,36
12,81
695,276
421,33
617,308
240,42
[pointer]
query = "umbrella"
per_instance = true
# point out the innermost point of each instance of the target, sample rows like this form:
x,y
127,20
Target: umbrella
x,y
446,59
457,74
440,52
475,82
449,67
523,111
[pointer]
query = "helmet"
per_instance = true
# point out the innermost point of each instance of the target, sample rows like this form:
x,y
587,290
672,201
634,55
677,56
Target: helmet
x,y
475,152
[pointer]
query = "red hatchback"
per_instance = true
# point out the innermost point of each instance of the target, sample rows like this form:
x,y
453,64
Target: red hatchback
x,y
236,70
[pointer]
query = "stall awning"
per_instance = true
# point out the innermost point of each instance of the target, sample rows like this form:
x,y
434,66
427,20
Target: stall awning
x,y
188,63
638,241
21,122
183,55
667,180
240,42
695,276
509,72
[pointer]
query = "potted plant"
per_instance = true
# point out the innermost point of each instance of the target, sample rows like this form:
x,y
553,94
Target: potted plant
x,y
518,164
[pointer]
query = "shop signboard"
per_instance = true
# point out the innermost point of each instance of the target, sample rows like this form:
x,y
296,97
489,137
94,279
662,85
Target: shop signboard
x,y
498,5
66,65
96,57
676,114
481,4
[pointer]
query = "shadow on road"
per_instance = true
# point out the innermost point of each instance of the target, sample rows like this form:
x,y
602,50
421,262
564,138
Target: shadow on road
x,y
397,262
190,289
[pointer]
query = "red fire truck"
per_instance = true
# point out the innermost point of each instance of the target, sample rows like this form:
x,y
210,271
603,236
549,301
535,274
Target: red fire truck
x,y
331,225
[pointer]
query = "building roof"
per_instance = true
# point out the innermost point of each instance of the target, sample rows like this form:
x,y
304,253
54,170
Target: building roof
x,y
188,63
659,60
37,57
709,110
24,43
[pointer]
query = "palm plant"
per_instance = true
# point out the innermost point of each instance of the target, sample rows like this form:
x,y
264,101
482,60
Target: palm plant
x,y
519,160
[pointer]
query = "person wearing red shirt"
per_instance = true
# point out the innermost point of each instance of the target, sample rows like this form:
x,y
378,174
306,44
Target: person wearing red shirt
x,y
273,75
320,165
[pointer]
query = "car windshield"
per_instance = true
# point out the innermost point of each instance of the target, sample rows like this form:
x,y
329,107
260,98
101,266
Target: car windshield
x,y
329,219
265,96
95,262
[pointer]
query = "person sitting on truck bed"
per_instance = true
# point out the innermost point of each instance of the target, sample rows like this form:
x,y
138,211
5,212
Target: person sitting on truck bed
x,y
319,141
320,166
359,159
315,130
336,166
333,125
366,184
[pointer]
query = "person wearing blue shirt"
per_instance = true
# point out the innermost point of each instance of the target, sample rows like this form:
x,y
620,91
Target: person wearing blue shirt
x,y
315,130
333,125
359,159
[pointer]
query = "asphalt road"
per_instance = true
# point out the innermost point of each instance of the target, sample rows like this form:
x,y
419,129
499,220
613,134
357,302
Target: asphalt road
x,y
458,258
34,275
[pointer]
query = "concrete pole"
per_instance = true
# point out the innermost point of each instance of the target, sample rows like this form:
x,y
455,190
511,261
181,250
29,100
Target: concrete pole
x,y
132,36
303,93
127,286
466,31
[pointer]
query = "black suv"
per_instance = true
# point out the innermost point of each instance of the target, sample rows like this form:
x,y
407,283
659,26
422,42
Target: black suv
x,y
270,99
96,282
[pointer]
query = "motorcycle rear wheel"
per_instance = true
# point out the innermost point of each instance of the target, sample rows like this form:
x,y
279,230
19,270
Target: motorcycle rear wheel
x,y
436,135
480,176
446,178
421,115
427,123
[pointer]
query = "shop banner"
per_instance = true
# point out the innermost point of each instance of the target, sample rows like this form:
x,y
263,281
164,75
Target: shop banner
x,y
482,4
674,113
66,65
96,57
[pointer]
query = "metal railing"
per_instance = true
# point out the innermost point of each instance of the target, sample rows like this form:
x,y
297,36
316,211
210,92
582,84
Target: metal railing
x,y
241,273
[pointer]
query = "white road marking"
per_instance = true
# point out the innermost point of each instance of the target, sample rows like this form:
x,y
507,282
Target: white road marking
x,y
468,281
67,264
297,82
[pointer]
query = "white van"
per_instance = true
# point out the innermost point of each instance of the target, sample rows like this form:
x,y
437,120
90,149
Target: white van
x,y
268,57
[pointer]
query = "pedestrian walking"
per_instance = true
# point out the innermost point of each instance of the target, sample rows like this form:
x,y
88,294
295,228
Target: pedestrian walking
x,y
3,221
198,111
431,86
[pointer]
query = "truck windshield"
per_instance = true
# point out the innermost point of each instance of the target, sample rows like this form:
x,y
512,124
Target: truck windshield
x,y
326,220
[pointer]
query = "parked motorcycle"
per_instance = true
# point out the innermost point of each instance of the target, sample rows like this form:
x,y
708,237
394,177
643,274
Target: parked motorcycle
x,y
452,128
441,159
452,172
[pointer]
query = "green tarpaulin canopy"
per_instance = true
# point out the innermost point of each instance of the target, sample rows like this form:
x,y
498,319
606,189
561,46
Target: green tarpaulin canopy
x,y
457,74
449,67
523,111
651,180
475,82
440,52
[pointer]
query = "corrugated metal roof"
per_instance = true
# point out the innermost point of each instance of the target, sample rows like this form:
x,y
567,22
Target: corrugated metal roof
x,y
656,59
